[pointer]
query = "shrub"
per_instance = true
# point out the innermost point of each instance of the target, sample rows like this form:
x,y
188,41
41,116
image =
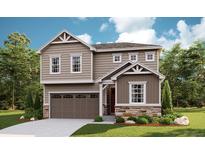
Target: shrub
x,y
150,119
171,116
141,120
132,118
38,114
98,119
199,104
29,100
165,121
37,104
4,105
167,111
177,115
183,103
29,113
120,120
20,105
155,120
166,97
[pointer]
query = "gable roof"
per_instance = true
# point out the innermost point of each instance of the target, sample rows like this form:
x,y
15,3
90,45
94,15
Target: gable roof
x,y
70,34
124,46
124,68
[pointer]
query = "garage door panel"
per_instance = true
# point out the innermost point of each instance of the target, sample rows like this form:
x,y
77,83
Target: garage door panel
x,y
75,106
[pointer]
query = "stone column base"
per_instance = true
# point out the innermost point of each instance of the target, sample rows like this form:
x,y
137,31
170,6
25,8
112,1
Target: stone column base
x,y
45,111
126,111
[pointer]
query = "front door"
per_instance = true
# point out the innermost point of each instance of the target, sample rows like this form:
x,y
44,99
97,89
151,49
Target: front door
x,y
110,100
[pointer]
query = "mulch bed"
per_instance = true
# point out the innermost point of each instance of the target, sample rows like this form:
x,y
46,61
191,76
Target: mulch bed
x,y
23,120
155,125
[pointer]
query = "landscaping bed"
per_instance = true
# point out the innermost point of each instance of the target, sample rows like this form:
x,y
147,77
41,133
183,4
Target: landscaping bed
x,y
148,125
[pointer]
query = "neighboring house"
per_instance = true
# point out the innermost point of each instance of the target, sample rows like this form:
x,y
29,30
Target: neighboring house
x,y
83,81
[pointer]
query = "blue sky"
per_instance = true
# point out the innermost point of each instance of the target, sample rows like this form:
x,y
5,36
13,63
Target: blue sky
x,y
163,31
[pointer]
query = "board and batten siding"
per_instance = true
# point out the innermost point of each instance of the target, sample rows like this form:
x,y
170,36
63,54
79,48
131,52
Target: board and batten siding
x,y
152,88
64,50
68,88
103,62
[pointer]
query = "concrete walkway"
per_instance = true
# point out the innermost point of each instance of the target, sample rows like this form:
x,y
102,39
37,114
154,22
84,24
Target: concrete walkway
x,y
45,128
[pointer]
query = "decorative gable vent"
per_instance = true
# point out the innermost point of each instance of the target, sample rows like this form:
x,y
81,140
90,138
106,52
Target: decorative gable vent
x,y
137,69
64,38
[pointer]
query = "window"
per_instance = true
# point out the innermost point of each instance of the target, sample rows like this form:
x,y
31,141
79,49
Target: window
x,y
55,64
117,58
137,92
149,56
80,96
133,57
76,60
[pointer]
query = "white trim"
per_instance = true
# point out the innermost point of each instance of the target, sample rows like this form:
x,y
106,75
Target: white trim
x,y
130,91
153,55
128,49
91,66
73,41
65,31
100,79
137,73
116,54
131,54
100,100
134,64
115,93
153,104
71,62
65,81
50,64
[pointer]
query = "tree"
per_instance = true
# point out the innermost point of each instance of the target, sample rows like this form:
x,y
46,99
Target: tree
x,y
14,65
37,104
29,100
166,97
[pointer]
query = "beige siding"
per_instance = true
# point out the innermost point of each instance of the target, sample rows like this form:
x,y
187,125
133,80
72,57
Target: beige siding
x,y
103,62
68,87
65,50
152,88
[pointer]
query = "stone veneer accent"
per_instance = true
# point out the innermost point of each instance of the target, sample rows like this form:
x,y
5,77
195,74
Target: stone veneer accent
x,y
45,111
126,111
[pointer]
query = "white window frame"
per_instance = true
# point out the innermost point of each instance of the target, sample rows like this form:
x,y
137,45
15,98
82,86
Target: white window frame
x,y
71,62
130,92
133,54
55,56
148,53
113,58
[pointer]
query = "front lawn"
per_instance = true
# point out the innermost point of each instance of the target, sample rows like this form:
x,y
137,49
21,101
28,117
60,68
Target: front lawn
x,y
10,118
196,128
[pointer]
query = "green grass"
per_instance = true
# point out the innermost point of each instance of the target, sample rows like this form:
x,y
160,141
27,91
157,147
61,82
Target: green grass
x,y
10,118
195,129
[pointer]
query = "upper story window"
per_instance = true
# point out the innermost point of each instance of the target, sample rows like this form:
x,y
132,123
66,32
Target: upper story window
x,y
55,63
76,63
149,56
117,58
133,57
137,92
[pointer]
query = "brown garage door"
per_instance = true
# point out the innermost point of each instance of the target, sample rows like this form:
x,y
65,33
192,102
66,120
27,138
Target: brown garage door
x,y
74,105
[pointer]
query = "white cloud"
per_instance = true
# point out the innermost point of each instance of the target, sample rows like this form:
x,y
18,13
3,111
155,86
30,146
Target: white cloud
x,y
86,37
98,42
82,18
103,27
132,24
140,30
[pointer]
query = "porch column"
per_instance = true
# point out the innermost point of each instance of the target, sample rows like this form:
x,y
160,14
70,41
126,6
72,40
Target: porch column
x,y
101,100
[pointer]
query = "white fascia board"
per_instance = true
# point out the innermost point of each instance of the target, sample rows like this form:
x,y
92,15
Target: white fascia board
x,y
65,81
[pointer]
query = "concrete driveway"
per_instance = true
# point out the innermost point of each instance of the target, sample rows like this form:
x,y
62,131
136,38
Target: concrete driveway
x,y
45,128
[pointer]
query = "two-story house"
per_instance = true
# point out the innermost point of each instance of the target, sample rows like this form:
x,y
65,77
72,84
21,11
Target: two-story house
x,y
83,81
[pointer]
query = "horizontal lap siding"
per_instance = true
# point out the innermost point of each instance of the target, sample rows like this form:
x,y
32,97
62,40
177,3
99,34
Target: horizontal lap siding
x,y
152,88
103,62
69,87
65,50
